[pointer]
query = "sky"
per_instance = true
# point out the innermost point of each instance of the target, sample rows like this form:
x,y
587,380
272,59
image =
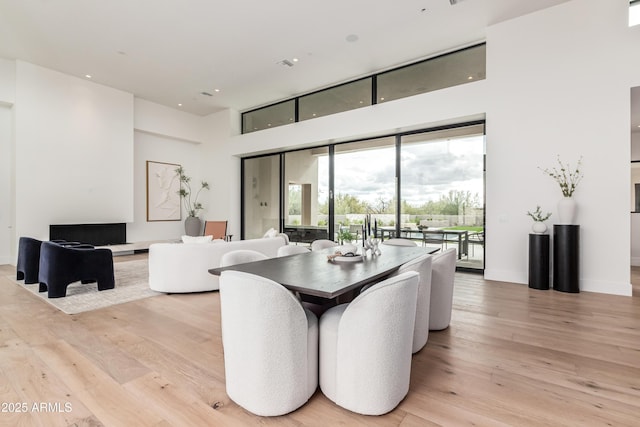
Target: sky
x,y
429,170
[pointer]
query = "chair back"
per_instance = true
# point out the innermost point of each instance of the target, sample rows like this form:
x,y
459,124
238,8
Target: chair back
x,y
373,353
241,256
421,265
270,345
320,244
217,229
399,242
442,280
292,250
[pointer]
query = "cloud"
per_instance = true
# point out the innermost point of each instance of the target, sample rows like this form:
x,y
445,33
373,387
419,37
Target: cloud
x,y
428,170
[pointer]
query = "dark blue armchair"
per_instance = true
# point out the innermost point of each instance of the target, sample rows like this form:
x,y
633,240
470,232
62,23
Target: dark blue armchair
x,y
62,265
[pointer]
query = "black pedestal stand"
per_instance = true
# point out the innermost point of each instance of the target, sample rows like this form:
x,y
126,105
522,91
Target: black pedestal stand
x,y
539,261
566,256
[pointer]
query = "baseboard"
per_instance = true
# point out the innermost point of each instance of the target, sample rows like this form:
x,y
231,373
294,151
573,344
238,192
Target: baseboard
x,y
506,276
6,260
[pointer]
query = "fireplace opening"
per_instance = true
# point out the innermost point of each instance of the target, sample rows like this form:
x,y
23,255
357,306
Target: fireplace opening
x,y
94,234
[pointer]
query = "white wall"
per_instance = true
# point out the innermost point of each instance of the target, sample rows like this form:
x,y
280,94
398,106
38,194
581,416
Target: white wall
x,y
7,81
563,90
74,151
167,150
557,84
635,217
6,184
7,171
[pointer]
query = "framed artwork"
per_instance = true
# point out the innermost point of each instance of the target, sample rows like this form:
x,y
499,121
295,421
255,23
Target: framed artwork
x,y
163,185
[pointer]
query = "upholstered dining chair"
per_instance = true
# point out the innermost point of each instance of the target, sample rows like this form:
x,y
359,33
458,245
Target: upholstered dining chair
x,y
443,271
216,229
320,244
292,250
365,347
270,345
241,256
422,266
399,242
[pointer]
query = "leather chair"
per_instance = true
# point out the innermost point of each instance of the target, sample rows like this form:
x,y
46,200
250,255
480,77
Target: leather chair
x,y
241,256
270,345
442,279
60,266
365,347
217,229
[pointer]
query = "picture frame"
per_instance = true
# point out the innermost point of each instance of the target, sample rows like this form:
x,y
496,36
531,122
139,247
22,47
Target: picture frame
x,y
163,186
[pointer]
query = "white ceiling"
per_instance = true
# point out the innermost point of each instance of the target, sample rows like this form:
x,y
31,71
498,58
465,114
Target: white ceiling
x,y
169,51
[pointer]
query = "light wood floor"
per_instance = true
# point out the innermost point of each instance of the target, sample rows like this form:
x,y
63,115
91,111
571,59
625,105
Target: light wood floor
x,y
513,356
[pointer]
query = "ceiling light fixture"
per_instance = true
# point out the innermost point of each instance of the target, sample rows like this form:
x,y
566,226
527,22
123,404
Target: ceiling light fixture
x,y
88,76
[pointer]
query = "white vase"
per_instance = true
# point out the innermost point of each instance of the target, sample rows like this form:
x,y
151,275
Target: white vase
x,y
566,210
539,227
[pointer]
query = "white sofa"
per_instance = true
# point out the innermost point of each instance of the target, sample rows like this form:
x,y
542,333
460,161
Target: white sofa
x,y
184,267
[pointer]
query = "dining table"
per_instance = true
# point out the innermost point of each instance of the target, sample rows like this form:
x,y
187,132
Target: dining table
x,y
314,274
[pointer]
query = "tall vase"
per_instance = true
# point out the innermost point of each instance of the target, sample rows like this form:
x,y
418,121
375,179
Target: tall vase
x,y
567,210
192,226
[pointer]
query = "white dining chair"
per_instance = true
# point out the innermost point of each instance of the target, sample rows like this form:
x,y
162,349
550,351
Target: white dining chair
x,y
399,242
270,345
422,266
241,256
292,250
443,271
320,244
365,347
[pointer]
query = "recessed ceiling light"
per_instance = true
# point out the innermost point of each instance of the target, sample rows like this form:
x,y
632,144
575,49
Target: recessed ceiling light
x,y
470,78
179,105
294,59
216,90
88,76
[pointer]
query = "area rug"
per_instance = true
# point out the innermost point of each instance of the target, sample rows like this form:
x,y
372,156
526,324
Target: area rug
x,y
132,283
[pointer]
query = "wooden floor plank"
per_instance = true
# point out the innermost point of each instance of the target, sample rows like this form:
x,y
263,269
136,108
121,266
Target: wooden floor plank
x,y
512,356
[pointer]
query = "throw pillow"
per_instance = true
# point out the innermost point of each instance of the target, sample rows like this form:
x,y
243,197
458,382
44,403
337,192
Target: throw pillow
x,y
196,239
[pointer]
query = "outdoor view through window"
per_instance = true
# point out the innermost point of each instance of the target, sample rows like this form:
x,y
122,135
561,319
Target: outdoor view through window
x,y
441,190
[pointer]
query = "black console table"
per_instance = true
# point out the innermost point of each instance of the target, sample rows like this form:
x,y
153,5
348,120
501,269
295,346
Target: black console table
x,y
566,257
539,261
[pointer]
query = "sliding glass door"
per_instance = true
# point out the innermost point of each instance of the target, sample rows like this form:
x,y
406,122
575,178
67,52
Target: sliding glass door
x,y
442,196
364,185
261,195
425,186
306,195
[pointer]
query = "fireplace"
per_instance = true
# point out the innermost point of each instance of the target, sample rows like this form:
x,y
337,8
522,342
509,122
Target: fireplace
x,y
94,234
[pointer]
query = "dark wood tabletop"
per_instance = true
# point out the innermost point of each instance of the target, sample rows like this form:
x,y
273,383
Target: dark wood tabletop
x,y
312,274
